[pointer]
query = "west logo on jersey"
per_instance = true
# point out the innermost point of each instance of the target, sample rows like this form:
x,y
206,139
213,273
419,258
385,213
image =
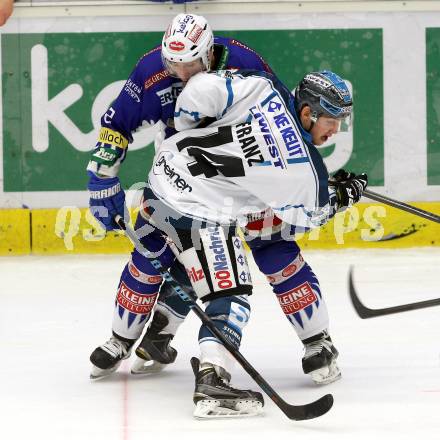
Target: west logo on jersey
x,y
272,146
280,133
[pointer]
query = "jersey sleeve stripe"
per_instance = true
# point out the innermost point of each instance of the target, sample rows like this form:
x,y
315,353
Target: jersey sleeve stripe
x,y
230,95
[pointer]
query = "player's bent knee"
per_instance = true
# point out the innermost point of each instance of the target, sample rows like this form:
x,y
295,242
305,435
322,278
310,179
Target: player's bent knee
x,y
142,271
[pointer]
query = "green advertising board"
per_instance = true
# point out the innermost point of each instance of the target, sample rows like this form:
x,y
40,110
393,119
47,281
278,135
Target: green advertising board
x,y
433,104
54,84
79,67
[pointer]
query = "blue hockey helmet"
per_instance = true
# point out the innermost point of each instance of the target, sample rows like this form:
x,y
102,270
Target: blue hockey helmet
x,y
326,94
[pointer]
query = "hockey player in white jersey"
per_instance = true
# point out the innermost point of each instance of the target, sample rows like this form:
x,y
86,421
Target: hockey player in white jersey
x,y
252,139
255,155
322,101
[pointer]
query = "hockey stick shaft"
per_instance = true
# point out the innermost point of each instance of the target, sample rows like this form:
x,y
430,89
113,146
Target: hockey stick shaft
x,y
401,205
365,312
300,412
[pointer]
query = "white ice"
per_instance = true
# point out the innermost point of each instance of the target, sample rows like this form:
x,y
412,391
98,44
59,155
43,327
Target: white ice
x,y
55,310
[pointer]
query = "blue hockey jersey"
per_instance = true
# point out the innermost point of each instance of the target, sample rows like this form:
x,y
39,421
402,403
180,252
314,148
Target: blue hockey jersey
x,y
149,97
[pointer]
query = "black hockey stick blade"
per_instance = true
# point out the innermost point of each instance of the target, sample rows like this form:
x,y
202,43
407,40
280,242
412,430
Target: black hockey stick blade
x,y
365,312
309,411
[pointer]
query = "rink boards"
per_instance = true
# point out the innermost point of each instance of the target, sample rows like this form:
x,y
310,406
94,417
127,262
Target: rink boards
x,y
74,230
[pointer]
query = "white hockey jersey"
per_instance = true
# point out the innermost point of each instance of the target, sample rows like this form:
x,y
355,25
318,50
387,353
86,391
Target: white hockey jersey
x,y
251,157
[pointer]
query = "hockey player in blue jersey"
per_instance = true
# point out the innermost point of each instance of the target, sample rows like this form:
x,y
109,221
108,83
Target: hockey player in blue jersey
x,y
147,98
129,111
150,93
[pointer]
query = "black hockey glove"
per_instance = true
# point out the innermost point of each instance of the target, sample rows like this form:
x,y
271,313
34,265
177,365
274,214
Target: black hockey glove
x,y
349,187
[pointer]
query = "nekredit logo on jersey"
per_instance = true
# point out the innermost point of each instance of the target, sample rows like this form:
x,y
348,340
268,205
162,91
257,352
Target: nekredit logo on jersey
x,y
282,122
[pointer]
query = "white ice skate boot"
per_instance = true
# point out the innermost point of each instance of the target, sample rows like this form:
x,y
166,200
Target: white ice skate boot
x,y
319,360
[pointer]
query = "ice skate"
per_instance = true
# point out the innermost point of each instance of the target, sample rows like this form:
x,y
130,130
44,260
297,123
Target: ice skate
x,y
319,360
154,352
215,398
107,357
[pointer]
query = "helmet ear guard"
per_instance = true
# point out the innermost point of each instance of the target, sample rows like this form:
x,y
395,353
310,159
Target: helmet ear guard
x,y
188,38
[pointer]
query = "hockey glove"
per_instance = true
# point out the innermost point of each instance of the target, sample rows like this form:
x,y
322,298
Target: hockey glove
x,y
349,187
107,199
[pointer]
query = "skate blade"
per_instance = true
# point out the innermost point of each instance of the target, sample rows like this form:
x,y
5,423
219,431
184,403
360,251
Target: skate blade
x,y
216,409
326,375
142,366
99,373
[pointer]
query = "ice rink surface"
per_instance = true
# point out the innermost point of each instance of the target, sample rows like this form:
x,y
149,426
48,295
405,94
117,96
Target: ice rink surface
x,y
56,310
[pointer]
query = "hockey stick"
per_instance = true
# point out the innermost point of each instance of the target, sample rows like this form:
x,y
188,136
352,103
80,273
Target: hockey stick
x,y
365,312
397,204
293,412
400,205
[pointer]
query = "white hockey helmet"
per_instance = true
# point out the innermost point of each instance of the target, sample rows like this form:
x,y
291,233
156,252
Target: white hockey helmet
x,y
189,37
